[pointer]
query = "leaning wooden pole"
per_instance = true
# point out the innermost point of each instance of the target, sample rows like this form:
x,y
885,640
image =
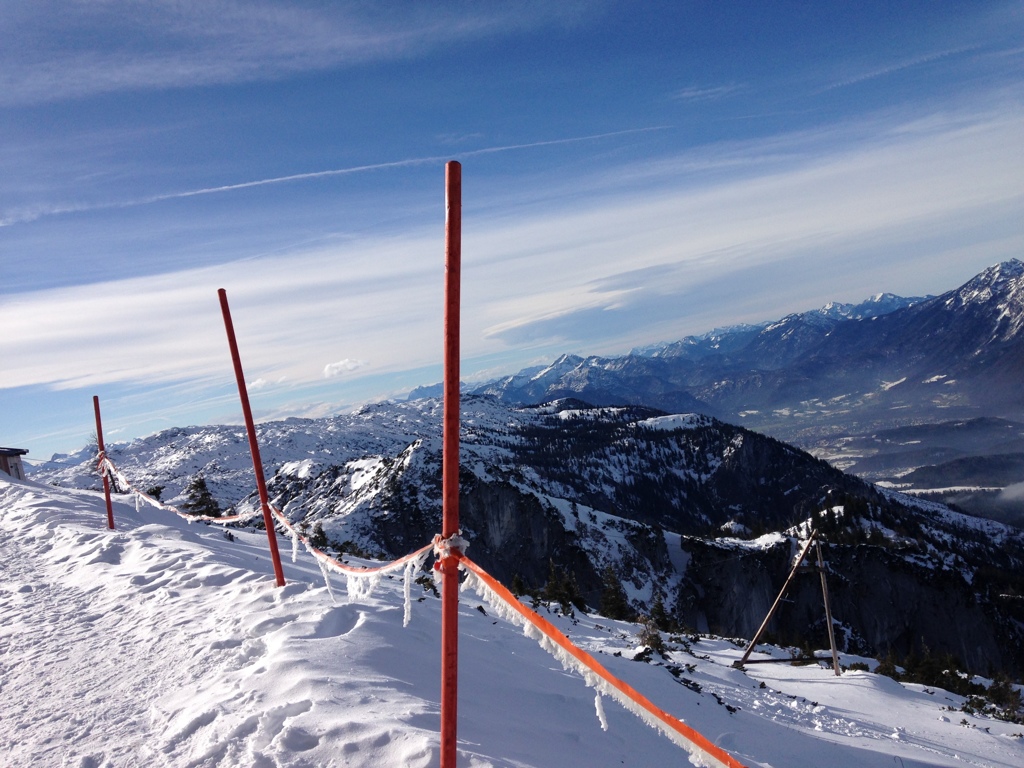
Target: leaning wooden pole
x,y
254,446
103,454
778,600
449,565
828,610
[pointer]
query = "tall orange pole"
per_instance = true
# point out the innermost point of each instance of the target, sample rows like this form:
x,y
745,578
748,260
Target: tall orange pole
x,y
449,565
103,452
254,446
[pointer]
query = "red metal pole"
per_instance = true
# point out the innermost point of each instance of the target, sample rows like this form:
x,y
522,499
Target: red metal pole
x,y
103,452
450,464
254,447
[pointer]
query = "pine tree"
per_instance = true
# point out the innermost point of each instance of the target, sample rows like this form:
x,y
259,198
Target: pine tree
x,y
660,617
518,588
613,603
199,500
318,539
557,589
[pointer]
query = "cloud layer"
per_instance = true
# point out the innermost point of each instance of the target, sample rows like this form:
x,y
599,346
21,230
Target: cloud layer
x,y
55,51
912,207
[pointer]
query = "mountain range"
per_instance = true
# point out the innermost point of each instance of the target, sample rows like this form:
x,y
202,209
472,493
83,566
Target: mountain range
x,y
879,389
687,516
643,474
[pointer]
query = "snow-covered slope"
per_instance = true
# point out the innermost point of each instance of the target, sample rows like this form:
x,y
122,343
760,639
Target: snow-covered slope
x,y
585,489
167,644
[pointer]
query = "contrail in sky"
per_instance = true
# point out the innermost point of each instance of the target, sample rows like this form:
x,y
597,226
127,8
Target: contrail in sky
x,y
383,166
38,213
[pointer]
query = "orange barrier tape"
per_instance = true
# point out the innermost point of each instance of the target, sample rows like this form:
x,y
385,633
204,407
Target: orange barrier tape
x,y
595,674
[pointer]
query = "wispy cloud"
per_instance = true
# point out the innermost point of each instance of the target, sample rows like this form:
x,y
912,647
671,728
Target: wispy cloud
x,y
896,67
917,207
429,160
54,50
698,93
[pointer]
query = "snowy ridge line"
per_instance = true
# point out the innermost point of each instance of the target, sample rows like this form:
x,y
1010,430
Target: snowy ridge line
x,y
106,467
702,752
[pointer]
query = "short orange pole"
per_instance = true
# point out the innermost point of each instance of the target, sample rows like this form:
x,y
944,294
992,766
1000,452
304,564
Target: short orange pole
x,y
103,453
254,447
449,565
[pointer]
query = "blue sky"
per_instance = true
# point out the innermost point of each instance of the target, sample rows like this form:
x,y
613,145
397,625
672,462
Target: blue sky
x,y
632,172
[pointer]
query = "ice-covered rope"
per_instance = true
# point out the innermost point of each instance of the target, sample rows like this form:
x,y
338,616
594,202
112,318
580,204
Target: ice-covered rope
x,y
701,751
106,467
360,581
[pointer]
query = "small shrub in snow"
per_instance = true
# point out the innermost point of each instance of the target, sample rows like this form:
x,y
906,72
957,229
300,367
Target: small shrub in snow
x,y
650,636
199,500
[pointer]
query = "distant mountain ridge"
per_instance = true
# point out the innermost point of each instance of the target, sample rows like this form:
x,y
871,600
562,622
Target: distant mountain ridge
x,y
884,362
835,379
737,336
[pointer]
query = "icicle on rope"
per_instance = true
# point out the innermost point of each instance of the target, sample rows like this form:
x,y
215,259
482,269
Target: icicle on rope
x,y
327,579
698,755
600,711
360,583
410,571
360,588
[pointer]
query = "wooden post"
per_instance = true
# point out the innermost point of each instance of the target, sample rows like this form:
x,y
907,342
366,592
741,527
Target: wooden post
x,y
828,610
254,447
449,565
103,453
778,600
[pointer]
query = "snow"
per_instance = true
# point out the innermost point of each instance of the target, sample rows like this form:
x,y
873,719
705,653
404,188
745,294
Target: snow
x,y
679,557
887,385
586,413
166,644
676,421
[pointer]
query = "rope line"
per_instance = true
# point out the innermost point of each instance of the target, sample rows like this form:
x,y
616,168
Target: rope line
x,y
350,570
107,467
